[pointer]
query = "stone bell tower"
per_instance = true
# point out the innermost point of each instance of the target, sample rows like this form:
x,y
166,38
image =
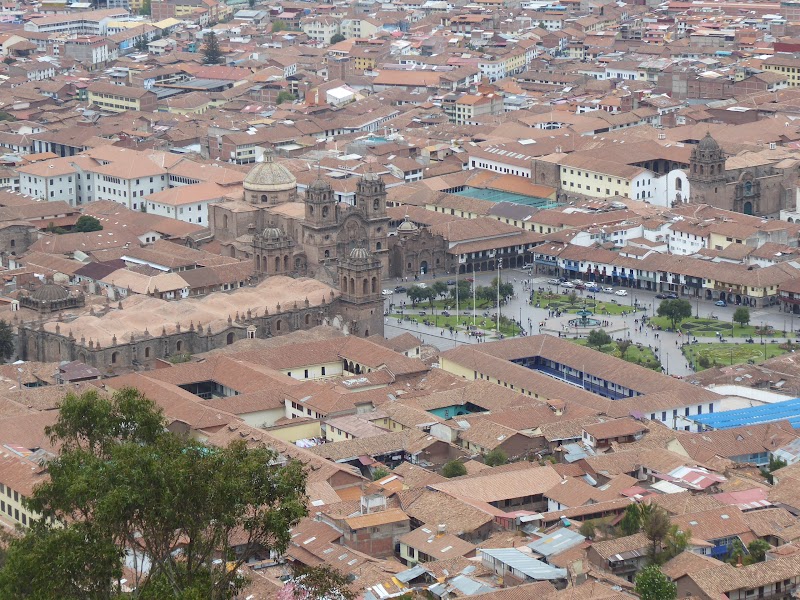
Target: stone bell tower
x,y
361,300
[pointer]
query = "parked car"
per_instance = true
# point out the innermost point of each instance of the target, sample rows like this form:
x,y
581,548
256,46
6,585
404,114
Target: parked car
x,y
608,290
554,282
528,266
720,303
621,292
445,313
387,292
580,286
400,290
593,288
567,284
661,296
422,313
451,282
422,285
672,296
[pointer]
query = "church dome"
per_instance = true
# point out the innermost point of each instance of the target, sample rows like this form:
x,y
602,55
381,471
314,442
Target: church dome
x,y
708,143
407,226
272,233
269,177
359,254
50,292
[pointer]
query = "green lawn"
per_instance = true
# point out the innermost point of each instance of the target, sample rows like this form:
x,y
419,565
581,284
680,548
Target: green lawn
x,y
732,353
603,305
637,354
709,328
507,327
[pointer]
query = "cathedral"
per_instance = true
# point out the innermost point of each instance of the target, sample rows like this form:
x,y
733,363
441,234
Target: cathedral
x,y
284,234
753,183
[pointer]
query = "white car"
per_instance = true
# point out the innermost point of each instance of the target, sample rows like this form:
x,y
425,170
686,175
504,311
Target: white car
x,y
608,290
554,281
387,292
568,284
422,285
621,293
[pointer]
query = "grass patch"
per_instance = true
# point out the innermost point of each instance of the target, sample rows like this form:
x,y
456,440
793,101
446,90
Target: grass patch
x,y
507,326
720,355
709,327
600,306
636,354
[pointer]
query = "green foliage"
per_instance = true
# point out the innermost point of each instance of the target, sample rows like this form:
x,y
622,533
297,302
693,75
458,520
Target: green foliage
x,y
623,346
146,8
587,529
774,465
597,338
211,51
742,315
335,39
322,581
632,521
417,294
758,550
506,289
177,359
454,469
655,526
380,473
572,297
51,228
439,288
278,26
496,457
652,584
141,46
122,480
87,223
285,96
675,310
676,542
4,116
703,361
464,291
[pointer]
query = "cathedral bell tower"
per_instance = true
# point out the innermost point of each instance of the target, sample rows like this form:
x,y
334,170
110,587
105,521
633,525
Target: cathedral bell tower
x,y
707,173
371,196
320,204
361,298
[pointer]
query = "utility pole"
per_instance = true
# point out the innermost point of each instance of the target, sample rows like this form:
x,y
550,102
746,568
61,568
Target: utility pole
x,y
499,266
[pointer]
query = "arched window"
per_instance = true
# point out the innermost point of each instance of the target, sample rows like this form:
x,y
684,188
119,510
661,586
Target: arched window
x,y
258,262
748,188
365,286
324,212
114,357
230,338
352,285
374,285
376,204
286,262
702,170
179,346
678,183
327,254
378,246
278,325
308,319
277,263
311,209
344,284
147,352
225,221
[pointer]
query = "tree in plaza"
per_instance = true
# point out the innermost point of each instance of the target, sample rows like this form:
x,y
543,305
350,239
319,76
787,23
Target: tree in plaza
x,y
506,289
439,288
758,550
125,491
742,316
652,584
454,469
496,457
623,347
430,296
675,310
598,338
211,51
416,294
87,223
572,297
464,290
632,521
6,340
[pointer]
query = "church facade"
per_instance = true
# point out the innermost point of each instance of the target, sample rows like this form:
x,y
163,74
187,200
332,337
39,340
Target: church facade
x,y
753,183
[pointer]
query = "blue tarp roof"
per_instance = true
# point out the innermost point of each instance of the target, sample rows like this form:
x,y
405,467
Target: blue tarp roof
x,y
768,413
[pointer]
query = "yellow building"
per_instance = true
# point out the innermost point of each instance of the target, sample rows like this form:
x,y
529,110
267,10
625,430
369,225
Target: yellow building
x,y
300,430
602,178
18,476
118,98
784,64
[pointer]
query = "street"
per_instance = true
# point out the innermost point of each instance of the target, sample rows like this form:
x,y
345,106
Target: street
x,y
666,345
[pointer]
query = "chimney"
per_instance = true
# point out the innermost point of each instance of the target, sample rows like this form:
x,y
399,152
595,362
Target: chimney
x,y
440,530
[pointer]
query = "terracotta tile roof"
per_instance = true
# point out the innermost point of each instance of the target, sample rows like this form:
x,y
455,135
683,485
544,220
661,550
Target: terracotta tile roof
x,y
441,546
494,487
688,562
609,548
615,428
372,446
429,506
383,517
